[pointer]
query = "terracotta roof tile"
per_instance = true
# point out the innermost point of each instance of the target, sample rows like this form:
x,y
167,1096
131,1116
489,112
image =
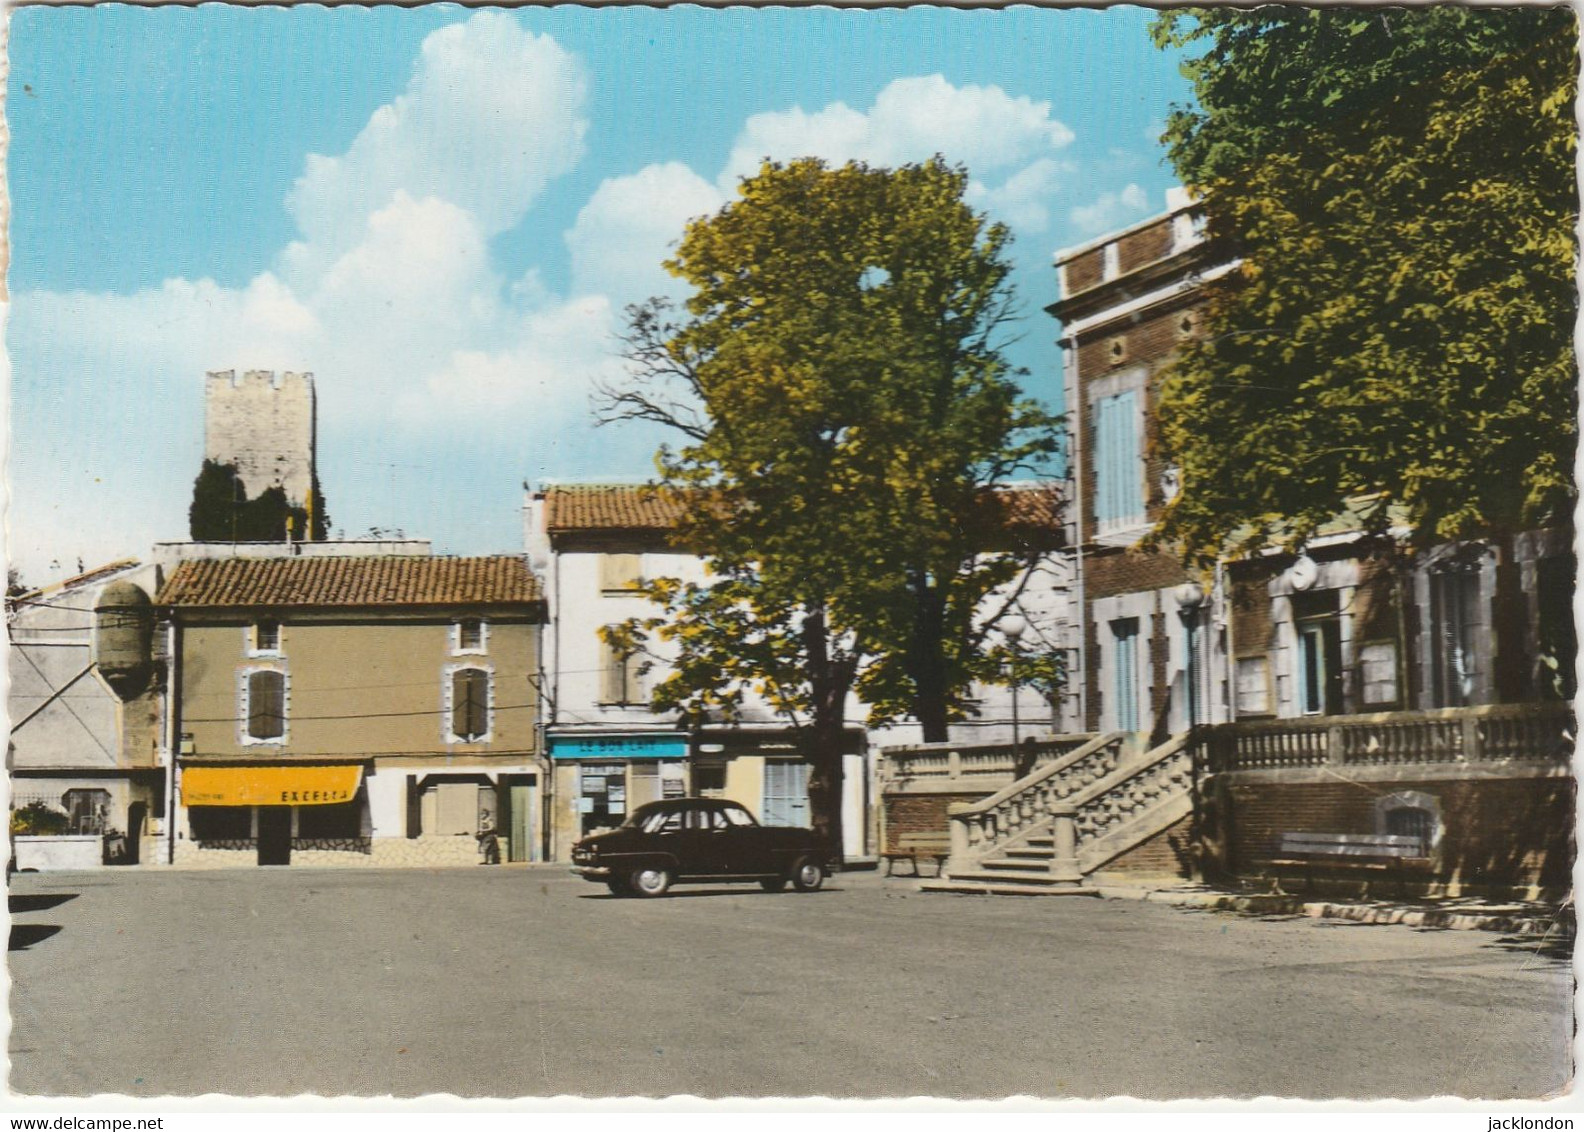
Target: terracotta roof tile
x,y
610,507
1026,508
363,581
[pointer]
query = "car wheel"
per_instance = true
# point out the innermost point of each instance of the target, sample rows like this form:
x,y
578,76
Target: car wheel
x,y
651,881
773,884
618,886
807,876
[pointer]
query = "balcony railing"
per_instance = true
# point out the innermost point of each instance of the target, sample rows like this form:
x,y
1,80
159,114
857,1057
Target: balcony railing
x,y
987,766
1478,735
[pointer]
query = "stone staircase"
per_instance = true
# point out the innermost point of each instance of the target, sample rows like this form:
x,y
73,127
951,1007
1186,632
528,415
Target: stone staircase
x,y
1053,831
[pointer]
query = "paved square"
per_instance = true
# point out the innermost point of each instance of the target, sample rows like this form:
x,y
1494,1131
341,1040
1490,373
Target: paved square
x,y
525,981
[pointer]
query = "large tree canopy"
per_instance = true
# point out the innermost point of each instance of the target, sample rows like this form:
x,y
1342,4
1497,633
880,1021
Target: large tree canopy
x,y
1397,189
839,378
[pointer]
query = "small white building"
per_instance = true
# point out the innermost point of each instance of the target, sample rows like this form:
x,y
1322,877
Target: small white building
x,y
86,704
592,544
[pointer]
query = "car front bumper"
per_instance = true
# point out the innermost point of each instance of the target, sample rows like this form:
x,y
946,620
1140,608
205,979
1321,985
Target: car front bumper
x,y
592,872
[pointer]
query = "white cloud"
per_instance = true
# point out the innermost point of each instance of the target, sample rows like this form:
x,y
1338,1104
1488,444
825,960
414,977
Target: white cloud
x,y
911,120
555,359
1022,200
629,228
1007,142
491,115
1110,210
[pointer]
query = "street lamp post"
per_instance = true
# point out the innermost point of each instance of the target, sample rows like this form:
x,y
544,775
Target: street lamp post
x,y
1013,628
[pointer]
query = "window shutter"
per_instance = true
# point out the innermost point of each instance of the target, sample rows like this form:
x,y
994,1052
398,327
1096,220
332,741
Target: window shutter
x,y
1119,476
612,676
469,703
631,685
619,571
266,705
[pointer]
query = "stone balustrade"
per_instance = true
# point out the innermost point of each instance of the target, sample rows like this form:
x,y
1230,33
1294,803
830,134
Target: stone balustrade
x,y
1028,805
1164,774
1486,734
957,766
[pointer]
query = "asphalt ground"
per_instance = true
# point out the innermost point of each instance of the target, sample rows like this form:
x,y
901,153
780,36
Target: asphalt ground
x,y
526,981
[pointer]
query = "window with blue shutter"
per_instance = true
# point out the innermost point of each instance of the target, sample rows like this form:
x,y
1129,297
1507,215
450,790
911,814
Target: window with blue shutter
x,y
785,794
1125,673
1119,469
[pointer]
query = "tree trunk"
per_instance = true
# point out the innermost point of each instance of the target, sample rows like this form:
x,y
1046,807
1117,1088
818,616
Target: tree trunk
x,y
825,792
830,679
927,662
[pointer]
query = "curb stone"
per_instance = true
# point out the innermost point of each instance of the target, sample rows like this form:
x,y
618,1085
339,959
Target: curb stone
x,y
1515,919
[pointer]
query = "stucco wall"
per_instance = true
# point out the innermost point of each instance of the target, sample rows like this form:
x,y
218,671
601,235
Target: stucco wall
x,y
371,686
46,854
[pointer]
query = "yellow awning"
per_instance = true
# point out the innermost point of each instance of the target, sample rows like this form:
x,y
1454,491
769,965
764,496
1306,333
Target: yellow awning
x,y
269,785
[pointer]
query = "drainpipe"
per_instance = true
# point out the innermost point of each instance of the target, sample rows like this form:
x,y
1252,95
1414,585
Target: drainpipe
x,y
1069,347
553,627
172,731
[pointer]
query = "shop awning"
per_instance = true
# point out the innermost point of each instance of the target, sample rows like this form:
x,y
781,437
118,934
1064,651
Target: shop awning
x,y
269,785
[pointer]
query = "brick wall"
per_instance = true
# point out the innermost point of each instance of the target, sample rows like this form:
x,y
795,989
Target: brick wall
x,y
1164,855
1145,246
919,813
1085,271
1507,833
1150,341
1108,572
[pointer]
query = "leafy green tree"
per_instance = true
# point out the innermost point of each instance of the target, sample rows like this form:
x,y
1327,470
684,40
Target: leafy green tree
x,y
222,512
1396,190
839,380
39,819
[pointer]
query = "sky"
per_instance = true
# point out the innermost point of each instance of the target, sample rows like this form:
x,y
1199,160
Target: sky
x,y
442,213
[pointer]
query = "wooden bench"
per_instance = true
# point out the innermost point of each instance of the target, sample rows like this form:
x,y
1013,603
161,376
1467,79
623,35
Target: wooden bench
x,y
1384,853
912,847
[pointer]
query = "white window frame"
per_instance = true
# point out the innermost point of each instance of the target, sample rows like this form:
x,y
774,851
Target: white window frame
x,y
250,645
245,703
1119,529
1364,683
1244,664
1482,637
1411,800
448,672
1310,634
456,637
1143,607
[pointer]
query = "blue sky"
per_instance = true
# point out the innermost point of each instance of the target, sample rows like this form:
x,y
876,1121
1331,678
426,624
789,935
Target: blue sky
x,y
441,213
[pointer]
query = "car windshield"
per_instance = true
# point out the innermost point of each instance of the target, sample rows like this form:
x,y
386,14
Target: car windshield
x,y
653,818
738,816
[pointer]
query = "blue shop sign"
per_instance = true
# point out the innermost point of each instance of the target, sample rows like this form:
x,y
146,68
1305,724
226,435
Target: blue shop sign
x,y
570,747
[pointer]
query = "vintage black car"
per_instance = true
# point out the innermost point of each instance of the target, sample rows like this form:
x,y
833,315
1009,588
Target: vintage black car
x,y
694,840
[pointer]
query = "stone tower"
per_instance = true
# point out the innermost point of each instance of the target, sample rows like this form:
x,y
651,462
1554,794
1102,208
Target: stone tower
x,y
264,424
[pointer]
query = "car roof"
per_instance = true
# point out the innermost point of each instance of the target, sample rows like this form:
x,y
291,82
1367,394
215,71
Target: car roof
x,y
689,804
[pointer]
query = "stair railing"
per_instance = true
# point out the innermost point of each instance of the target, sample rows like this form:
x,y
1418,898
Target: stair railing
x,y
1164,774
1019,810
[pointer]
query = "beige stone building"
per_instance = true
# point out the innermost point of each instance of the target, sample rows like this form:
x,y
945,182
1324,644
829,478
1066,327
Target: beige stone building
x,y
265,424
354,710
